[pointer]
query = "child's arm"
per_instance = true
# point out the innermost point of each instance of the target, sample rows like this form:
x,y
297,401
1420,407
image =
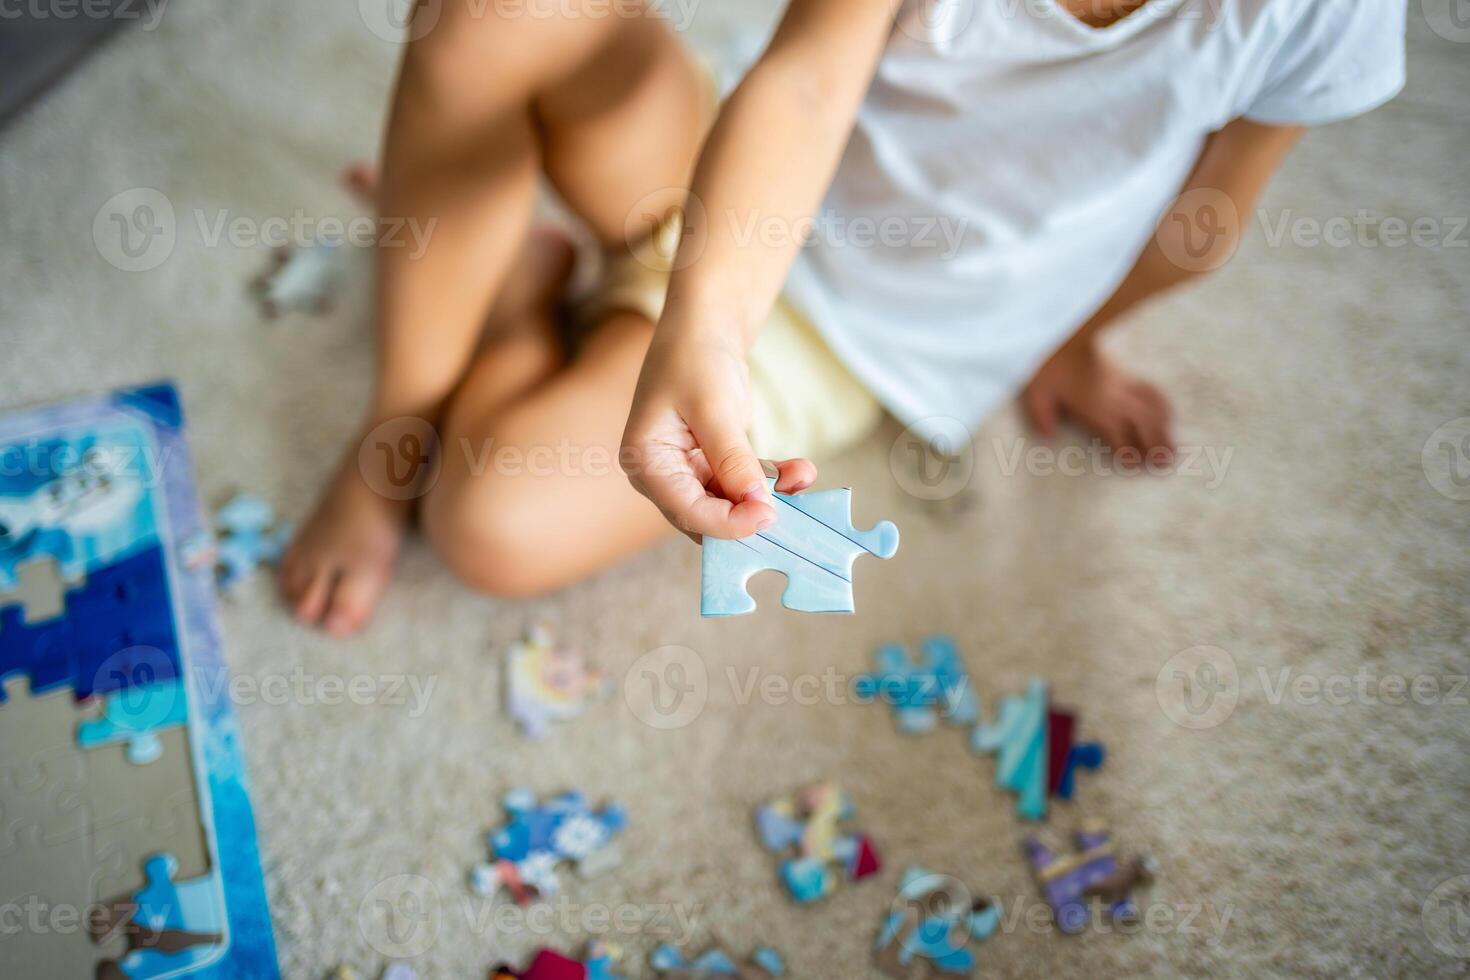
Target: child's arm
x,y
1198,235
768,159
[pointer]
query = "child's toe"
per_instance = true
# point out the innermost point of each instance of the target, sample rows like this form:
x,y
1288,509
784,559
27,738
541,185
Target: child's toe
x,y
312,600
353,601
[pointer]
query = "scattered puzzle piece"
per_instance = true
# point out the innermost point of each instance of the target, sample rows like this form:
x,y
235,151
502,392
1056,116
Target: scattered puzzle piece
x,y
1037,754
669,961
937,686
135,716
298,279
807,822
249,536
1092,873
528,850
546,683
812,542
931,927
548,964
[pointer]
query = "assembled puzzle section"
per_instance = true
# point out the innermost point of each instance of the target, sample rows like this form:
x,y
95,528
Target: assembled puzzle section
x,y
1036,752
807,825
922,692
671,963
1091,875
120,785
813,543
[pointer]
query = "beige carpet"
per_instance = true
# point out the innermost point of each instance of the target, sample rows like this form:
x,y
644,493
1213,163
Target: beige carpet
x,y
1302,835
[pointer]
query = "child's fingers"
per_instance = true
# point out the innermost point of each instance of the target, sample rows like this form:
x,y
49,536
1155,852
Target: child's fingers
x,y
795,475
1042,410
736,467
676,489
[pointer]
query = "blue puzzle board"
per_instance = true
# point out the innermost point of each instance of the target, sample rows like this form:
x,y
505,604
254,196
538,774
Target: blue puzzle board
x,y
103,487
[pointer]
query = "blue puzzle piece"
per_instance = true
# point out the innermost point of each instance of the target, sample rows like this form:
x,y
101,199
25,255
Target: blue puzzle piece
x,y
812,542
1086,755
941,938
537,838
938,685
249,537
135,715
1018,738
714,962
191,906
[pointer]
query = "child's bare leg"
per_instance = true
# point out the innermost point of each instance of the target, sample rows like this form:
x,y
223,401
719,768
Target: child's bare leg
x,y
610,106
531,496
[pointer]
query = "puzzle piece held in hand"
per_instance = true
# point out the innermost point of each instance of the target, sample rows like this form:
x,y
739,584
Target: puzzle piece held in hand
x,y
1071,882
135,716
546,683
670,962
249,536
808,823
812,542
539,838
170,926
920,693
932,922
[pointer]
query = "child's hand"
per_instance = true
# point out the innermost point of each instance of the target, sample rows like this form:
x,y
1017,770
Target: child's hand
x,y
685,446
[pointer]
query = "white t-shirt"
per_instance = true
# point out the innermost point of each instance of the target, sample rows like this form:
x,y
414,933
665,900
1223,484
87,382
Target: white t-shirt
x,y
1010,164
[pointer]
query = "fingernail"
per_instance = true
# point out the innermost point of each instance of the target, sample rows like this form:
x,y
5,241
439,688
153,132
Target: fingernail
x,y
756,491
764,523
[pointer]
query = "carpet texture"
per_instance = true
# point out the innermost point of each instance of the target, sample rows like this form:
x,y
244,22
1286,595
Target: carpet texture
x,y
1304,832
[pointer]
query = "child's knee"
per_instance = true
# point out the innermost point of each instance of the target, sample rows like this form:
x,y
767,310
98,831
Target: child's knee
x,y
488,536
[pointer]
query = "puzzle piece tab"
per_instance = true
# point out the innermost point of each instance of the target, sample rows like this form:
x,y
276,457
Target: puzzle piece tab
x,y
932,924
546,683
135,716
1091,873
812,542
808,824
529,849
669,962
920,693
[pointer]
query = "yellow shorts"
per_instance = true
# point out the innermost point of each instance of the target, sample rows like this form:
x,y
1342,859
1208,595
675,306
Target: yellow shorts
x,y
804,402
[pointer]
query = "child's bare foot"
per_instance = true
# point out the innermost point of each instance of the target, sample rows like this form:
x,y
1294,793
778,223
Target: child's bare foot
x,y
342,559
1081,383
336,569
